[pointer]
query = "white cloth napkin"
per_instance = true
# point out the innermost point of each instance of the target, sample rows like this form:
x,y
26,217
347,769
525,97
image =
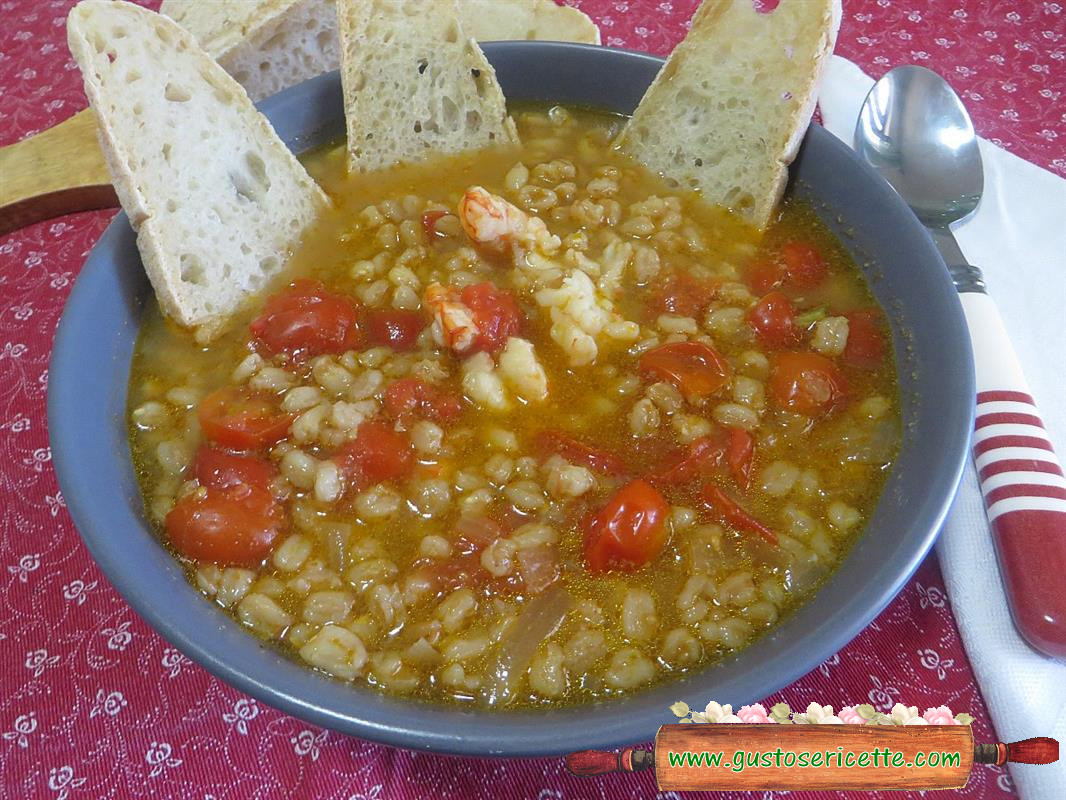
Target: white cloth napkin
x,y
1018,238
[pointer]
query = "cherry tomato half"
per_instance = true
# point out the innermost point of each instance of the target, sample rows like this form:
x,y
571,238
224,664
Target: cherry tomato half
x,y
764,276
218,469
412,397
496,315
396,329
867,344
307,320
629,531
377,453
806,383
240,420
700,457
682,294
237,525
774,321
804,266
693,367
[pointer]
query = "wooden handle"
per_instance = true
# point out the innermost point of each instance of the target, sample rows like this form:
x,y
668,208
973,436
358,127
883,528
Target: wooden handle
x,y
58,171
596,762
1022,483
1039,750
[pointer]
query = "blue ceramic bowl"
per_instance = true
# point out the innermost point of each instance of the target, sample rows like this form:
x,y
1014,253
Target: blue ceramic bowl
x,y
87,407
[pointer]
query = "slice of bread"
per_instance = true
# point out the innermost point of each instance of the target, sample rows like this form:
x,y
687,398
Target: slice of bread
x,y
415,84
728,110
215,197
219,25
296,42
269,45
488,20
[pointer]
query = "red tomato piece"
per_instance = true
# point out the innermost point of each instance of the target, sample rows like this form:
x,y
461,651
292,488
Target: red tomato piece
x,y
465,571
867,343
806,383
477,532
237,525
683,294
629,531
396,329
578,452
240,420
774,321
764,276
804,266
411,397
496,315
307,320
376,454
464,568
460,571
740,455
429,224
729,511
218,469
693,367
701,456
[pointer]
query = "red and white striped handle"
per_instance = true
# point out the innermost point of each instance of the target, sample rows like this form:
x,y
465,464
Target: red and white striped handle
x,y
1022,483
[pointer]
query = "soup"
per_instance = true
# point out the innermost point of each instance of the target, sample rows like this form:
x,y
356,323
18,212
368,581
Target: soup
x,y
522,427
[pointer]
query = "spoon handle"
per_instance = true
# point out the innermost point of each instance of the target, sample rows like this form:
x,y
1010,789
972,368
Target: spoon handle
x,y
1022,483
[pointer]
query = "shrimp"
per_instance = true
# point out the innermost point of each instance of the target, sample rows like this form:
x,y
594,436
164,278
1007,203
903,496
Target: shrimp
x,y
502,227
453,321
522,371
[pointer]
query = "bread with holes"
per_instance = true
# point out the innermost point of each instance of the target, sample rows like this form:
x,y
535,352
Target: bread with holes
x,y
216,198
727,112
415,84
269,45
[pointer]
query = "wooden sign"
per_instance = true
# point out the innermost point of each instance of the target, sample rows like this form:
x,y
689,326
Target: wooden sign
x,y
740,757
812,757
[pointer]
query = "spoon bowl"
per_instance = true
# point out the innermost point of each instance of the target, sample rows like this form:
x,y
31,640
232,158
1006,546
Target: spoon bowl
x,y
915,131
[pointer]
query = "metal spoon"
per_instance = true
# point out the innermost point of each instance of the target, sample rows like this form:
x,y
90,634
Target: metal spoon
x,y
915,131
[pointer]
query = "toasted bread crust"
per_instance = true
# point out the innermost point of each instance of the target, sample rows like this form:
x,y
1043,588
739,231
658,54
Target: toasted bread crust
x,y
728,111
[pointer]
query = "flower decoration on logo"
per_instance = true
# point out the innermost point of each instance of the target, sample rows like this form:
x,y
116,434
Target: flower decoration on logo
x,y
816,714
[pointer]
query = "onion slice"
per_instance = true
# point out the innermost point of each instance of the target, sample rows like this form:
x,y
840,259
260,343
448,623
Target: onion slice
x,y
541,617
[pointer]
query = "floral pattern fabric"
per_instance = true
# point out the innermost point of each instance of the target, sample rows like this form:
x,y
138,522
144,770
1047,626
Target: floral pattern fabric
x,y
94,704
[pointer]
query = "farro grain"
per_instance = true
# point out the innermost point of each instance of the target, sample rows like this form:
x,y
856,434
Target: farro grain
x,y
263,615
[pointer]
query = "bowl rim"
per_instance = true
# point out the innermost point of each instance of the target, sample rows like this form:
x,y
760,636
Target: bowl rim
x,y
444,728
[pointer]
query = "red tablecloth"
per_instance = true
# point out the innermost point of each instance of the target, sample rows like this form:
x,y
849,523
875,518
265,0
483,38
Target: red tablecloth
x,y
94,704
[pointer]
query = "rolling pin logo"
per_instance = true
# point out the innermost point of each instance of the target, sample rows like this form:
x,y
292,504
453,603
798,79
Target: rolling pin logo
x,y
897,751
